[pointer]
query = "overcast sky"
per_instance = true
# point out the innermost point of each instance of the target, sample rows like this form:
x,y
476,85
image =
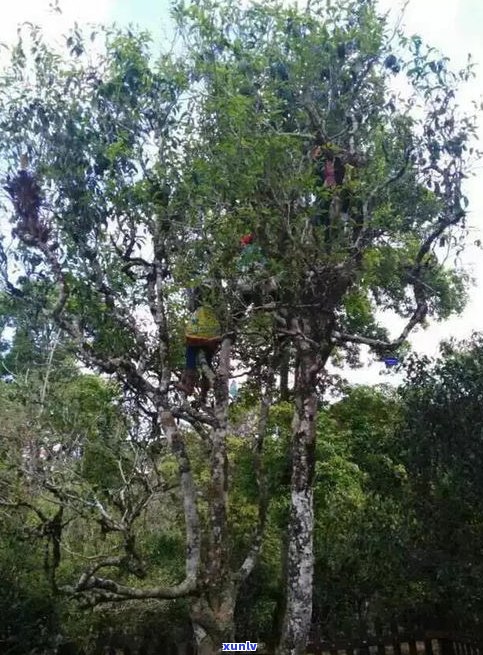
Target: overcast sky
x,y
454,26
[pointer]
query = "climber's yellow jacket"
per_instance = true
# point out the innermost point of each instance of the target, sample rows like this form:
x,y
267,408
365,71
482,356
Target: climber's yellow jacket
x,y
203,328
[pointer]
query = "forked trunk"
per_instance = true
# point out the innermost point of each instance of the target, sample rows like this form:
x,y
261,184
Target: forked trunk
x,y
213,620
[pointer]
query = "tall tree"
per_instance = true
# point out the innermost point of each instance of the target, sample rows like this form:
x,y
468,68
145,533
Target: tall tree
x,y
282,124
348,191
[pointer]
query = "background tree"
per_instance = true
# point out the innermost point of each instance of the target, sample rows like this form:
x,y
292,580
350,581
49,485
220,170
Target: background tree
x,y
442,451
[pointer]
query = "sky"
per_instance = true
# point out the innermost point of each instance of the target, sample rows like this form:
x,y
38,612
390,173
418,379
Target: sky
x,y
454,26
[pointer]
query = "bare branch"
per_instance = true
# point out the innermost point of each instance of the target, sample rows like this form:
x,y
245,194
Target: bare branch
x,y
123,592
365,233
266,401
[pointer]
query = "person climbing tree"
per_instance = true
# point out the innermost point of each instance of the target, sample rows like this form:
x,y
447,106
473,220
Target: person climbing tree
x,y
329,173
250,260
334,170
203,332
202,335
252,265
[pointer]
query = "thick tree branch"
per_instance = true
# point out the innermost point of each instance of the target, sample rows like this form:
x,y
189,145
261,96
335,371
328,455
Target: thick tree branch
x,y
188,488
157,308
124,592
218,565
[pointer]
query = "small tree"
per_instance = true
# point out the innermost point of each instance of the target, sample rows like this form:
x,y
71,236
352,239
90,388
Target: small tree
x,y
281,123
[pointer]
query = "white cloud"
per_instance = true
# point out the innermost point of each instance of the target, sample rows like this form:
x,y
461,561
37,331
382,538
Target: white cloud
x,y
53,24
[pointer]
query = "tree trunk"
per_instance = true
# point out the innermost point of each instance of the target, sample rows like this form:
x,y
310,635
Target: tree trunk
x,y
213,620
212,613
300,555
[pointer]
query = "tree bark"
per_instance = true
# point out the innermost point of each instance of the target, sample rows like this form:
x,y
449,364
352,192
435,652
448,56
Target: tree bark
x,y
212,612
212,616
300,555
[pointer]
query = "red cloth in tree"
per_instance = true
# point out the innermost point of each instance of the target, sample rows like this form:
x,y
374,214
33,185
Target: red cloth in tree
x,y
246,239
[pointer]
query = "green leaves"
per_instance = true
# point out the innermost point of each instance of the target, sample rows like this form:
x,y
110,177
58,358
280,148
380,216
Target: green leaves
x,y
441,438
